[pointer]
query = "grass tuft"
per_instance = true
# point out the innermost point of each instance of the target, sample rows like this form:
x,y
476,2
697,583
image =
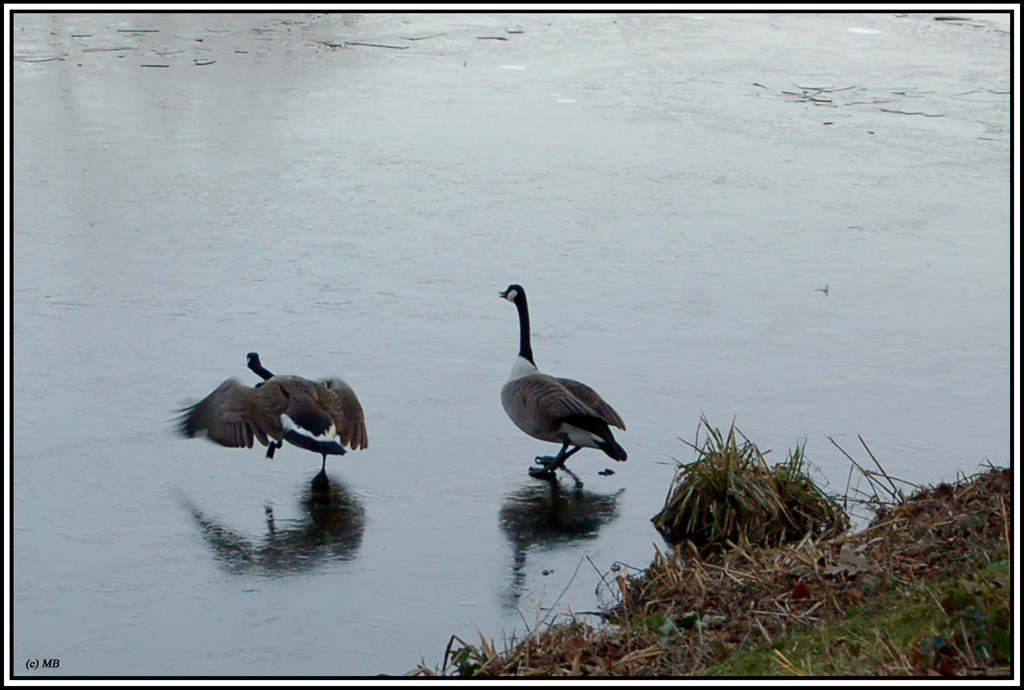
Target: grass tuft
x,y
729,495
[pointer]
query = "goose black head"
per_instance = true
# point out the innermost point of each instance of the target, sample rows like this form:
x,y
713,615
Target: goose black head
x,y
513,293
253,360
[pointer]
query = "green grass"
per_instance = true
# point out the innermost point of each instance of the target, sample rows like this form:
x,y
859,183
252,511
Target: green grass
x,y
931,626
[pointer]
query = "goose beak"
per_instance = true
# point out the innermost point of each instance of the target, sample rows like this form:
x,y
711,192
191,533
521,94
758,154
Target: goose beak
x,y
503,294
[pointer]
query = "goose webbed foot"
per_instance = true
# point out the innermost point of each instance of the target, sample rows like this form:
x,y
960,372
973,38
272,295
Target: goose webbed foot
x,y
546,470
273,446
543,471
548,464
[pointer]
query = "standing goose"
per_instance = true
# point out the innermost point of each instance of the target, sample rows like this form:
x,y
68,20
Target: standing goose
x,y
321,417
554,409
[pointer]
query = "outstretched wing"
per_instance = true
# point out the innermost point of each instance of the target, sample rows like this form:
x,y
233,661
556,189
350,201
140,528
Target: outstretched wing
x,y
230,417
351,423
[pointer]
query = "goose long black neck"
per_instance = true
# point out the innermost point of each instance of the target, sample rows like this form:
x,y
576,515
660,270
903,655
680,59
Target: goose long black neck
x,y
525,351
257,367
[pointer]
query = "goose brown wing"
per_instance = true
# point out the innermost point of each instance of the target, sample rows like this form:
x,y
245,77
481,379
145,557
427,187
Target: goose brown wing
x,y
589,397
230,416
352,426
552,398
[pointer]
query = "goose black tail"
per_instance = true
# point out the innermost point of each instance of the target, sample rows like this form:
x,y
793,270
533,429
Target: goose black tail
x,y
600,428
303,441
613,450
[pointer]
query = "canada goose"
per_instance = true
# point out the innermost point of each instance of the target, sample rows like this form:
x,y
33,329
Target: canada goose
x,y
352,432
322,417
554,409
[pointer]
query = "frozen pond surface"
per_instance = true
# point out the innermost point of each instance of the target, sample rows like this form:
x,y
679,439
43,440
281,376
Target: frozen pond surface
x,y
217,184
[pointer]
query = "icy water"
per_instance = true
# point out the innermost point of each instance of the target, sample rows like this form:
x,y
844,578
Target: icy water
x,y
675,192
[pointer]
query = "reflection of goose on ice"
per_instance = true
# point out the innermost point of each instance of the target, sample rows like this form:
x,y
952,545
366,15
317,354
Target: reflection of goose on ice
x,y
550,515
330,529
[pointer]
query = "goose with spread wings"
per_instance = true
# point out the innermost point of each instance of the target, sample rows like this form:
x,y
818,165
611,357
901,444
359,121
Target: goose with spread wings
x,y
320,416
